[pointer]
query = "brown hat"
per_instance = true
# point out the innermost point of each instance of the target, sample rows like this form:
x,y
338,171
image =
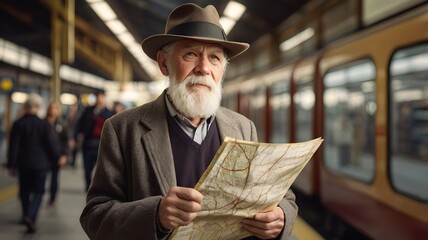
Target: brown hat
x,y
189,21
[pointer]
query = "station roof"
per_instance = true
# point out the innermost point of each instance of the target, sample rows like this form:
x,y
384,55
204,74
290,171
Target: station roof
x,y
28,23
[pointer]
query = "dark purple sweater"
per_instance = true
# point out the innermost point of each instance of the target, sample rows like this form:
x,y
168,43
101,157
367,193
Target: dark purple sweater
x,y
190,158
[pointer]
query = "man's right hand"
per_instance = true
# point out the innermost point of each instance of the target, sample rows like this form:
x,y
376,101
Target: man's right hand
x,y
179,207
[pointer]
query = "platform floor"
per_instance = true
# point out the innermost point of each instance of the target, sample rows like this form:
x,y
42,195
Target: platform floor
x,y
61,221
57,222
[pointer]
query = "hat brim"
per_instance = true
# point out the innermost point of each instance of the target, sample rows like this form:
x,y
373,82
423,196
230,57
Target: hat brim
x,y
153,44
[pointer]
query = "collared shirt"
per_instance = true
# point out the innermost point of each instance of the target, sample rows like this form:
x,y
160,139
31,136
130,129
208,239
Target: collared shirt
x,y
197,133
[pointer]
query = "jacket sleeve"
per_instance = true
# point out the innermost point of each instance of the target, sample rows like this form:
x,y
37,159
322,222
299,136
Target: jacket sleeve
x,y
109,212
13,146
289,206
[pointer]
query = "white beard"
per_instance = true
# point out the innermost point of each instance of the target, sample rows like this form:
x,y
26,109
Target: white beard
x,y
195,103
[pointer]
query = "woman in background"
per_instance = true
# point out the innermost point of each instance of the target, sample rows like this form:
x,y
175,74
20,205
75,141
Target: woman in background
x,y
53,116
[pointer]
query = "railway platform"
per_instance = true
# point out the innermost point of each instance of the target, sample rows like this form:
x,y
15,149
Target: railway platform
x,y
61,221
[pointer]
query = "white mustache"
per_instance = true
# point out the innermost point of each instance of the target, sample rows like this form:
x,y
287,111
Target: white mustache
x,y
202,80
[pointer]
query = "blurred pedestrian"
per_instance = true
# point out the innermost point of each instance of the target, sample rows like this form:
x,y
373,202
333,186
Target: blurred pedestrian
x,y
89,128
32,149
118,107
71,118
53,116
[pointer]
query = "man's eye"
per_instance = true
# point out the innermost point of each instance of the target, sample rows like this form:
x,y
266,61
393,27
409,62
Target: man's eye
x,y
214,58
190,54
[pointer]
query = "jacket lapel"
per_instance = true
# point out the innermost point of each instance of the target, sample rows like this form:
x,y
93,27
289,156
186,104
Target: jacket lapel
x,y
226,128
157,145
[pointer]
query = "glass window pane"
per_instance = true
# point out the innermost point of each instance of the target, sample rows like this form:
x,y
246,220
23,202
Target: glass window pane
x,y
349,126
280,105
257,114
304,100
409,121
229,101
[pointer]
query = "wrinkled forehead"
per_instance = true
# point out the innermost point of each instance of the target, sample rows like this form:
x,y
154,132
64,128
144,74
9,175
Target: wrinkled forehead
x,y
189,44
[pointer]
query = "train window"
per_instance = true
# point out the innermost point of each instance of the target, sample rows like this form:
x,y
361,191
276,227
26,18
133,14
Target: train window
x,y
229,101
304,99
349,110
257,113
280,104
408,111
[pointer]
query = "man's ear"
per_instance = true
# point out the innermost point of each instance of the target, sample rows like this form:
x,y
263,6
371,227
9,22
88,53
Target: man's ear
x,y
161,59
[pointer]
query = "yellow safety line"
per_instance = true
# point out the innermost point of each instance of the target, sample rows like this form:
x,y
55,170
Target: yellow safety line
x,y
303,231
8,193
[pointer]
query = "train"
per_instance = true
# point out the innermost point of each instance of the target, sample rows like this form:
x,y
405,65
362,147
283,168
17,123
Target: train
x,y
366,94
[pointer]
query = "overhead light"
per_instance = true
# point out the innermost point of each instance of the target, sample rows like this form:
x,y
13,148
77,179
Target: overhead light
x,y
227,24
103,10
68,99
126,38
232,13
234,10
297,39
106,13
116,26
19,97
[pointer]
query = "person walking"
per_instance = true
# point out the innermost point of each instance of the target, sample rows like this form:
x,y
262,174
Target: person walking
x,y
89,129
32,150
151,156
53,116
71,118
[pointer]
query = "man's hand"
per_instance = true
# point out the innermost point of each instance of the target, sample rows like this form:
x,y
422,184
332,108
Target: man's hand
x,y
62,161
266,225
179,207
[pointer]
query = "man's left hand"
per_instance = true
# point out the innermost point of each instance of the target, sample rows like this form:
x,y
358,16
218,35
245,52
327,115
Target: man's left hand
x,y
266,225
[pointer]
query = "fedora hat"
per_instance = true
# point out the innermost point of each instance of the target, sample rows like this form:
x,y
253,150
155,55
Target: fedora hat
x,y
189,21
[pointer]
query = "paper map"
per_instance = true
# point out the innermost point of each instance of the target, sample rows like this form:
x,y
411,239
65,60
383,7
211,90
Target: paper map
x,y
243,179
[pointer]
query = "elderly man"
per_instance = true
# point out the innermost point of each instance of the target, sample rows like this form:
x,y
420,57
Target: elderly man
x,y
152,156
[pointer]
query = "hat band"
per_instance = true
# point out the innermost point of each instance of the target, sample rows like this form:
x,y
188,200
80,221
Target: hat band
x,y
199,29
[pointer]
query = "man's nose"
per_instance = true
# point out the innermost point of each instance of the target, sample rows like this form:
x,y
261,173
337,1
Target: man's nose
x,y
203,66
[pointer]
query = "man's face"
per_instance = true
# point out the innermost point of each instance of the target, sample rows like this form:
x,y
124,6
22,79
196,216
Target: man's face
x,y
196,71
197,58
